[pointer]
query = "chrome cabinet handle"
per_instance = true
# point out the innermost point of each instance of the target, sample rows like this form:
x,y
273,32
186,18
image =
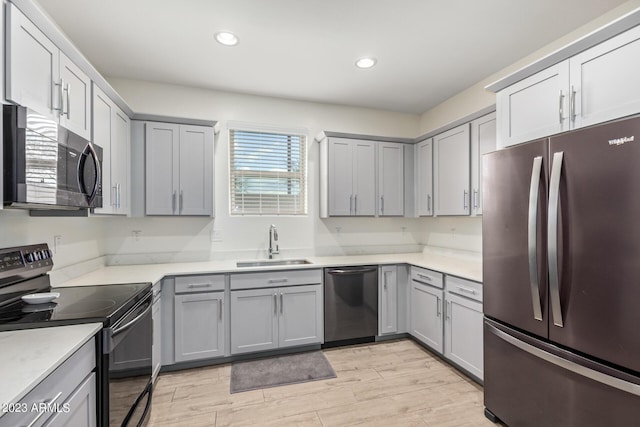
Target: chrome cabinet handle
x,y
552,239
275,304
68,90
464,200
448,310
114,189
467,290
422,276
277,280
561,107
355,204
534,188
60,108
220,309
386,278
118,196
173,202
48,402
351,204
382,205
281,303
573,104
198,285
438,309
428,202
65,97
181,200
475,199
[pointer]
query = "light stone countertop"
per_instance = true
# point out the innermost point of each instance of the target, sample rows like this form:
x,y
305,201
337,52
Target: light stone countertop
x,y
465,268
28,356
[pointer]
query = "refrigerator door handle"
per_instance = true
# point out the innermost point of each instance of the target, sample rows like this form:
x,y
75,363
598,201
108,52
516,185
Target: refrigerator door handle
x,y
552,239
569,365
533,237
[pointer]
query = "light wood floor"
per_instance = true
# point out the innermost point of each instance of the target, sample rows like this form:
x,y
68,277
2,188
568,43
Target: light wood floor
x,y
395,383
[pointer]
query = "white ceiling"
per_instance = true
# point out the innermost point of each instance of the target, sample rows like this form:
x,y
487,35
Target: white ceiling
x,y
427,50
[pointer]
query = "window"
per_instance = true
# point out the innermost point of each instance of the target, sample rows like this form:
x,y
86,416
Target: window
x,y
267,173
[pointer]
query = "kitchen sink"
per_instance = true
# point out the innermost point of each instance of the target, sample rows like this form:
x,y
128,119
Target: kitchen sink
x,y
269,262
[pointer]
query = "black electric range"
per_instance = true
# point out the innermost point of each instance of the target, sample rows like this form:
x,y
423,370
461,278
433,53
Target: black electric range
x,y
123,347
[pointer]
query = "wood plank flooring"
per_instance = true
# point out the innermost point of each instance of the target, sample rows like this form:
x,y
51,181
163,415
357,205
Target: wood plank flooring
x,y
395,383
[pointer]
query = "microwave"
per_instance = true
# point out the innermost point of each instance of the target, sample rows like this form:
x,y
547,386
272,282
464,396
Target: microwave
x,y
47,166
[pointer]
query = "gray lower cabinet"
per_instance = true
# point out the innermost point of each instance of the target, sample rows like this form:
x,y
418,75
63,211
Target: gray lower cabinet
x,y
426,308
463,325
388,300
270,318
199,329
72,385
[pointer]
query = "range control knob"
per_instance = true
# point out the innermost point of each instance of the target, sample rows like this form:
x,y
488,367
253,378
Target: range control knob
x,y
29,257
44,254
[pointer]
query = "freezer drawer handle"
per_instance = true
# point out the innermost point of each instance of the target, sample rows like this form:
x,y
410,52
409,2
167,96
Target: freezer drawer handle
x,y
533,237
592,374
552,239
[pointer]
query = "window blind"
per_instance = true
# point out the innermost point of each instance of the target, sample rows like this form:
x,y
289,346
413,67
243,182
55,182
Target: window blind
x,y
267,173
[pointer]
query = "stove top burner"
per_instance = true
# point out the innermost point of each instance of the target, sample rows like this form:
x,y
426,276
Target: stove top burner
x,y
90,307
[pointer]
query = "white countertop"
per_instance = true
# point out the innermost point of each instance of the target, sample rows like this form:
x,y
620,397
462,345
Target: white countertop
x,y
28,356
458,266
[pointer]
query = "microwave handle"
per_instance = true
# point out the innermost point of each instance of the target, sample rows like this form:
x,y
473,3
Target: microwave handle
x,y
96,161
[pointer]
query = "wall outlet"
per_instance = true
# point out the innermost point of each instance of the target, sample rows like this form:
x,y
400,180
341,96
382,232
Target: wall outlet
x,y
216,235
56,242
136,234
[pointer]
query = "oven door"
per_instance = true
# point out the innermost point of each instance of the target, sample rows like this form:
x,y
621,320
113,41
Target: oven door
x,y
128,348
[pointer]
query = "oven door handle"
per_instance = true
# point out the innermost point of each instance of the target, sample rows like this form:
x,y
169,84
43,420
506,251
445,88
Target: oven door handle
x,y
120,329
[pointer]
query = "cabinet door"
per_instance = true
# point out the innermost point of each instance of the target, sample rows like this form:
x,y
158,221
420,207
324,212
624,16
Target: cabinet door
x,y
76,98
388,310
31,66
426,315
364,178
483,140
451,171
605,80
199,326
161,147
82,407
391,179
424,172
102,114
340,177
300,315
196,170
463,333
120,154
534,107
254,320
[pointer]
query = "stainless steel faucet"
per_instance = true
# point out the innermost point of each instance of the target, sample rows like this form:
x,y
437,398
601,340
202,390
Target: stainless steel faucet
x,y
273,237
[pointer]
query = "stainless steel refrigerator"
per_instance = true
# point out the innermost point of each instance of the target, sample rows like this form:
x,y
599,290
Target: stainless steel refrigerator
x,y
561,266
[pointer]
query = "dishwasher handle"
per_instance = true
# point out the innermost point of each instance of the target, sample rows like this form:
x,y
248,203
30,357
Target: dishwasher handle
x,y
349,271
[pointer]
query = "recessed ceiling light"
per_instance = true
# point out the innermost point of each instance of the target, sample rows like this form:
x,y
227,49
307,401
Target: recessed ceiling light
x,y
226,38
366,62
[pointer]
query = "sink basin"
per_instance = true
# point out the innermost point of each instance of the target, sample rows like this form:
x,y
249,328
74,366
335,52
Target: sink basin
x,y
269,262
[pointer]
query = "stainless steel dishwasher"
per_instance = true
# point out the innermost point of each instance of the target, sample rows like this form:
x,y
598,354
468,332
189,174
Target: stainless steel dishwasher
x,y
350,304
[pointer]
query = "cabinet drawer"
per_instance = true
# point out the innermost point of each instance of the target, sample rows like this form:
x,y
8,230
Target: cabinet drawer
x,y
206,283
429,277
275,279
55,389
465,288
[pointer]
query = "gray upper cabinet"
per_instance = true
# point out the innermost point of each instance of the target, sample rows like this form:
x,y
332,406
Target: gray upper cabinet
x,y
451,171
534,107
111,131
390,179
604,80
483,140
591,87
424,177
351,175
179,169
41,77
